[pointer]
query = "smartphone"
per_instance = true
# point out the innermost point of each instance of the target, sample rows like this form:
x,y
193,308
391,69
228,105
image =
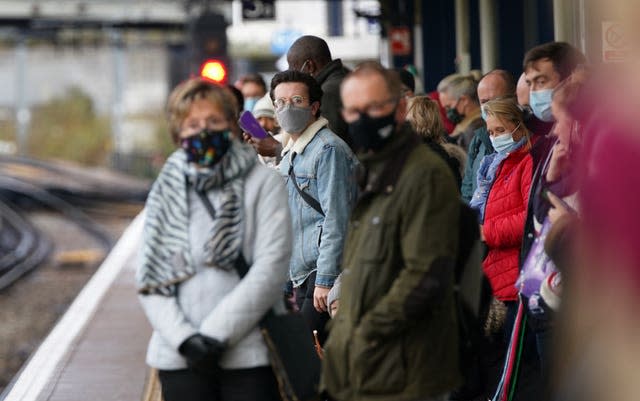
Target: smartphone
x,y
545,196
249,124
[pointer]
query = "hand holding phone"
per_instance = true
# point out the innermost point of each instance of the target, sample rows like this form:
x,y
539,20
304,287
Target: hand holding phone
x,y
249,124
559,206
556,201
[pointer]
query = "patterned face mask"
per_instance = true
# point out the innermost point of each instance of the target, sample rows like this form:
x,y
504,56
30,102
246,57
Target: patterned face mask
x,y
207,147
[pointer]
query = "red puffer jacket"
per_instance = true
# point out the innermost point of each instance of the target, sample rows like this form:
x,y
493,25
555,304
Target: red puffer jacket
x,y
504,219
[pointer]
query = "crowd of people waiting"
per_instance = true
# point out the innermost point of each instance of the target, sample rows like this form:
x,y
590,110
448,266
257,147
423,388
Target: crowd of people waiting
x,y
351,208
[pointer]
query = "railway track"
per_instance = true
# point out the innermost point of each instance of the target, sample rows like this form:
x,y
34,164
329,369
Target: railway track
x,y
73,193
22,247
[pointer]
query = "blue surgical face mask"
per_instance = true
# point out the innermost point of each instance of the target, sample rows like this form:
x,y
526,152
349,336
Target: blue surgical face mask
x,y
483,113
503,142
540,102
250,102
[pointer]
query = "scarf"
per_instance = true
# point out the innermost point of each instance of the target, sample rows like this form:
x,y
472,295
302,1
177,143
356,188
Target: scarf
x,y
166,257
487,175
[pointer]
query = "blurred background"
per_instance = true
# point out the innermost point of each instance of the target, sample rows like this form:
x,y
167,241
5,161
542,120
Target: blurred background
x,y
87,80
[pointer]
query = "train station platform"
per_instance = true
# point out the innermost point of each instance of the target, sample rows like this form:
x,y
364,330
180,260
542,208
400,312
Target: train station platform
x,y
97,349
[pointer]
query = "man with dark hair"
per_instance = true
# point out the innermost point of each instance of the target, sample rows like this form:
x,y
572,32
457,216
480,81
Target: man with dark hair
x,y
394,336
545,66
494,84
320,171
311,54
537,127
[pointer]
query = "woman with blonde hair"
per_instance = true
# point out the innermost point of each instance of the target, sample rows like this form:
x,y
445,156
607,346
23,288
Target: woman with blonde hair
x,y
423,114
501,197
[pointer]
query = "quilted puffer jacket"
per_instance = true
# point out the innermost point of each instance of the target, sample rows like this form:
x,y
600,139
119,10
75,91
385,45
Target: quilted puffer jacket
x,y
504,218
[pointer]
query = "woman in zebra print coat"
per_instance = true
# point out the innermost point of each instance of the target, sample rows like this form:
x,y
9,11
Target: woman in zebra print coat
x,y
211,205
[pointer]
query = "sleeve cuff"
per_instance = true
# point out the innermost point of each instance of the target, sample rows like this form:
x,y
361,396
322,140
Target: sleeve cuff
x,y
325,280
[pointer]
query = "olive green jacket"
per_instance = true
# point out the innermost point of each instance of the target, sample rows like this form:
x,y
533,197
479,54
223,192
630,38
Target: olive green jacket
x,y
395,335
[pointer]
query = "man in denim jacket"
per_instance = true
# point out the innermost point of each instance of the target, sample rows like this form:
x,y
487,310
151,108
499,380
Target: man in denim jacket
x,y
320,171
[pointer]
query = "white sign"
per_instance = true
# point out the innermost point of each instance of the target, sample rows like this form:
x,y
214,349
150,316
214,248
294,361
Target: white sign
x,y
615,46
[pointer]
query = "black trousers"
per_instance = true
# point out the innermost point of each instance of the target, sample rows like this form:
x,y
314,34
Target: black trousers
x,y
304,299
256,384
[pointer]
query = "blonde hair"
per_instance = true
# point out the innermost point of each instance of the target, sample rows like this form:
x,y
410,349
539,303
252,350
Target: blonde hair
x,y
506,109
183,96
423,114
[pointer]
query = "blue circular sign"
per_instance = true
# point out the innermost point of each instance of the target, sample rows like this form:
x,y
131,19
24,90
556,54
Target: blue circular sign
x,y
283,39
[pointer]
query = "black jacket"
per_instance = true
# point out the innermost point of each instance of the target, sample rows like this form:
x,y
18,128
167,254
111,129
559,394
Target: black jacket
x,y
329,79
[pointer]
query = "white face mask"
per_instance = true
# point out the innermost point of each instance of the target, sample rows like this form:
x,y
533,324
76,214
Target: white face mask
x,y
503,142
540,102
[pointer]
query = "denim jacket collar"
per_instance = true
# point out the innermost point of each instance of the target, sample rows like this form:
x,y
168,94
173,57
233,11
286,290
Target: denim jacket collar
x,y
298,146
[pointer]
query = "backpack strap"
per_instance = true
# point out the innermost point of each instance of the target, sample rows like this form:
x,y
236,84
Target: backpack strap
x,y
310,200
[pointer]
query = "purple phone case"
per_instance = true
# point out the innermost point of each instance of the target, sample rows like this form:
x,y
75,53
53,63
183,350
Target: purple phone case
x,y
250,125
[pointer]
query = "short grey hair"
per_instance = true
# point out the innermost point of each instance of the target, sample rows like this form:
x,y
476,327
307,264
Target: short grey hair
x,y
461,86
444,83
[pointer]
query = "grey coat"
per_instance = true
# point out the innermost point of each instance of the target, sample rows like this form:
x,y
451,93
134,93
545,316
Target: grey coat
x,y
216,302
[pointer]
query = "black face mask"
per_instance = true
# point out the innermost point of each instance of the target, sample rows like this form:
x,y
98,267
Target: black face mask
x,y
454,115
371,133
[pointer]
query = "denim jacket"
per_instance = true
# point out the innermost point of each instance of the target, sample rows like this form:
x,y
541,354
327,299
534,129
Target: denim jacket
x,y
325,168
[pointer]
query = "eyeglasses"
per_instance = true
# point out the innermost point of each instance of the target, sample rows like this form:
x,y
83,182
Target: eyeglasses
x,y
374,109
296,101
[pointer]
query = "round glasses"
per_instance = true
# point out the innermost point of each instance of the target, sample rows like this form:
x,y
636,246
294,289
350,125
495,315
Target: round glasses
x,y
296,101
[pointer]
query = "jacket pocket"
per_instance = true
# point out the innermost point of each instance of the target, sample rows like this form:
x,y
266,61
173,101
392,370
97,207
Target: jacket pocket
x,y
378,367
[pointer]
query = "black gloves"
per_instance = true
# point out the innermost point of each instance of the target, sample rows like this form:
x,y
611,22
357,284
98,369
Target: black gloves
x,y
202,353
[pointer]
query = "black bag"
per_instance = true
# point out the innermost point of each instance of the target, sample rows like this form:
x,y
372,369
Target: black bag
x,y
472,299
292,352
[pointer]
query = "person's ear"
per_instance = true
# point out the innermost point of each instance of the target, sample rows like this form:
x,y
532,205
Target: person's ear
x,y
401,110
312,67
315,106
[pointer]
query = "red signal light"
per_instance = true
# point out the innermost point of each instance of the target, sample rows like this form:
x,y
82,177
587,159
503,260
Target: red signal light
x,y
214,70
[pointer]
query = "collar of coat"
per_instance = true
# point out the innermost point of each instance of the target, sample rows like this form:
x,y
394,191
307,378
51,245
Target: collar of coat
x,y
323,74
379,172
468,120
299,145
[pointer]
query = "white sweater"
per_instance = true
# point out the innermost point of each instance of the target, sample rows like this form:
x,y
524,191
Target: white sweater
x,y
217,303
